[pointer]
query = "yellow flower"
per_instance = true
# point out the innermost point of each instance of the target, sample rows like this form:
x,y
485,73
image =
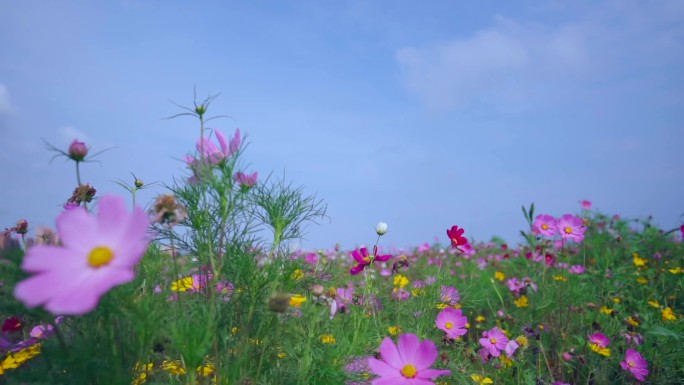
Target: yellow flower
x,y
15,360
442,305
173,367
400,281
182,284
418,292
638,261
206,370
393,330
297,300
654,303
668,314
521,340
559,278
505,361
328,339
297,275
617,300
480,318
522,301
282,355
606,310
600,350
142,371
630,320
676,270
500,275
481,379
234,330
642,280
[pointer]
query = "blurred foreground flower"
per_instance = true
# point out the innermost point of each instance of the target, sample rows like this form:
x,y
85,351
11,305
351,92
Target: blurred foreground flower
x,y
99,253
407,363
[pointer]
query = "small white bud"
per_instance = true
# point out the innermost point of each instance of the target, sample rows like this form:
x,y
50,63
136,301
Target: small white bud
x,y
381,228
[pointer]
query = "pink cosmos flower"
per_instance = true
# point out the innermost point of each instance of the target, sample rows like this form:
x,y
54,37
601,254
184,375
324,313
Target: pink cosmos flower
x,y
407,363
494,341
571,228
452,322
545,225
246,180
99,253
635,364
577,269
449,295
364,259
212,154
586,205
511,347
599,339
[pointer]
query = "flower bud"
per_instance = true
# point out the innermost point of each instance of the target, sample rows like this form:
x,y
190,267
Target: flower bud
x,y
381,228
317,290
78,150
138,183
22,227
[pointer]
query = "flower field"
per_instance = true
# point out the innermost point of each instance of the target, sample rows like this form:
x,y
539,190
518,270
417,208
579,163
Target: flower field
x,y
201,288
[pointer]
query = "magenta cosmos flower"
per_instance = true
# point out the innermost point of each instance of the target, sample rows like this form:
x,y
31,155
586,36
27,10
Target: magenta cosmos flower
x,y
494,341
455,234
571,227
544,225
364,259
214,155
99,253
635,364
452,322
407,363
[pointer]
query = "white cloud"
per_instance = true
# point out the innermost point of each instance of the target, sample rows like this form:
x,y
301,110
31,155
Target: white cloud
x,y
5,104
514,65
69,133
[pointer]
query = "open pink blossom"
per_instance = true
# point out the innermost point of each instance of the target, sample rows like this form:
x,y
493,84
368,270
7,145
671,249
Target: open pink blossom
x,y
407,363
544,225
449,295
99,253
635,364
214,155
586,204
452,322
571,228
494,341
364,259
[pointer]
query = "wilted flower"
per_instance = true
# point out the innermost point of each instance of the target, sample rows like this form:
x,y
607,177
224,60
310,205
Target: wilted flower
x,y
82,194
167,211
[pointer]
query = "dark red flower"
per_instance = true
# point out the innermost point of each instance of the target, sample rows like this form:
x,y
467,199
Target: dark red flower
x,y
12,324
456,237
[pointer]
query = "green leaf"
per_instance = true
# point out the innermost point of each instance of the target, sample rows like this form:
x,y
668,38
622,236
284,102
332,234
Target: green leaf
x,y
663,332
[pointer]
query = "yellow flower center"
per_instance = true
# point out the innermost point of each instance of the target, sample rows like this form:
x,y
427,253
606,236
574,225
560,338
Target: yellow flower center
x,y
492,340
631,364
409,371
568,230
544,226
448,325
100,256
367,259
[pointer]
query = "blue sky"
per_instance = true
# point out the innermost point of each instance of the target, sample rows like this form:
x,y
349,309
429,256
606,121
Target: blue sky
x,y
420,116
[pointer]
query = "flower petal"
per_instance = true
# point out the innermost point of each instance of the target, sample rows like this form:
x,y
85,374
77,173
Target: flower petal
x,y
40,258
408,347
390,354
77,229
382,368
426,355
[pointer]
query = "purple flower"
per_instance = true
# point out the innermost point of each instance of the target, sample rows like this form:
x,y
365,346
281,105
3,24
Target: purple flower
x,y
246,180
407,363
449,295
494,341
635,364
